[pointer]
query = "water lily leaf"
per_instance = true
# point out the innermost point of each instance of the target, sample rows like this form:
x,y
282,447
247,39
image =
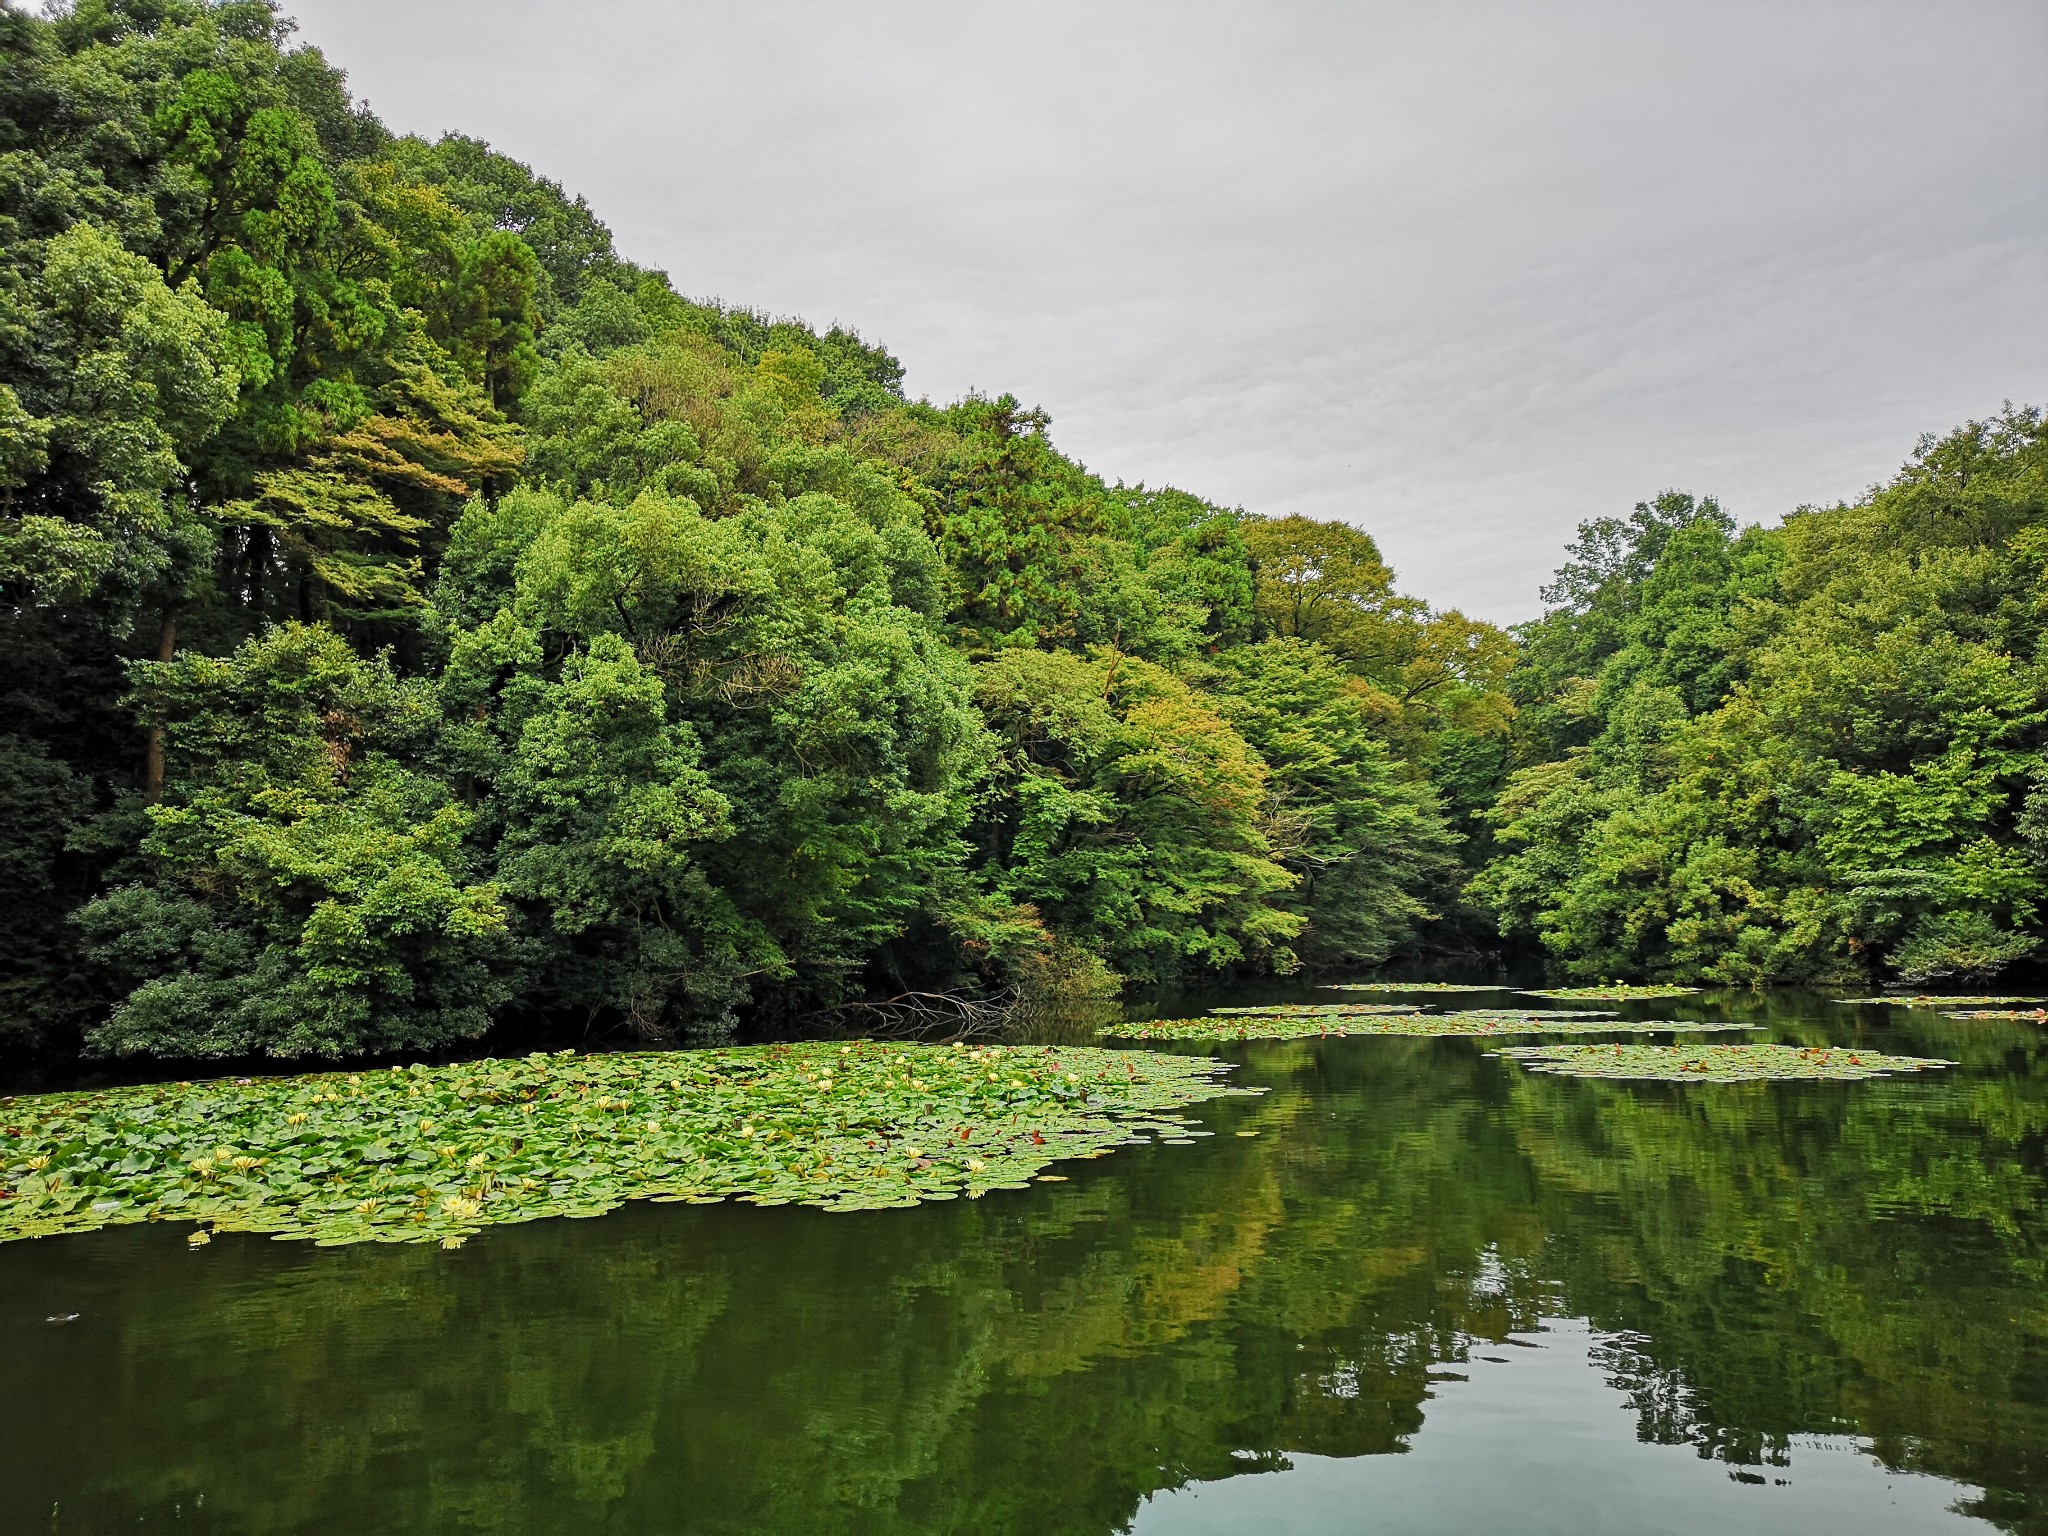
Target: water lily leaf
x,y
1715,1063
1476,1024
1614,992
1899,1000
1416,986
435,1154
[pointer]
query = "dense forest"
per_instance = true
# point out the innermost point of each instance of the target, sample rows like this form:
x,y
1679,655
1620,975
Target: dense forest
x,y
416,619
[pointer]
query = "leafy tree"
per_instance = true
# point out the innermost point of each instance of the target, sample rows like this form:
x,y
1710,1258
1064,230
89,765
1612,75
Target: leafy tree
x,y
1365,841
112,375
1132,815
767,693
429,617
304,887
1791,754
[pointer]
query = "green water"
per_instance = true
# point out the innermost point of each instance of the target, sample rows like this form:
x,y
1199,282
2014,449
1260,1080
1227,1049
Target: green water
x,y
1433,1294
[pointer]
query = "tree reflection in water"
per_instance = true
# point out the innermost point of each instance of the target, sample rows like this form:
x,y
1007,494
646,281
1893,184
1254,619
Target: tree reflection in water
x,y
1762,1262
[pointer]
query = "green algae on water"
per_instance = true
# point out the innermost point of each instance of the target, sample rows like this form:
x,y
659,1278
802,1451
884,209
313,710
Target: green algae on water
x,y
1715,1063
1296,1027
425,1154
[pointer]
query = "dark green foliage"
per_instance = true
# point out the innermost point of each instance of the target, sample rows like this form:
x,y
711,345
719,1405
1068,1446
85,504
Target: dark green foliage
x,y
510,639
306,888
1797,753
1370,850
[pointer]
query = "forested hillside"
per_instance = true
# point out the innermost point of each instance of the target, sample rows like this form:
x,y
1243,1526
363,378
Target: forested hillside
x,y
419,617
416,618
1793,754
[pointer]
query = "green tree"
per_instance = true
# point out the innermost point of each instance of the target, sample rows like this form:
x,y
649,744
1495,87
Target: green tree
x,y
305,888
1366,842
1131,816
1791,754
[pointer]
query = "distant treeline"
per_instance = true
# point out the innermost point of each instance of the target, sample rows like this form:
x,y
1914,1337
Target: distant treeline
x,y
416,618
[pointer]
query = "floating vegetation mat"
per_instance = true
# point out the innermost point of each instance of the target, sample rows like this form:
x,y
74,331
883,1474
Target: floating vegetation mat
x,y
1902,1001
1714,1063
1413,986
2035,1015
1300,1027
1618,993
1538,1014
425,1154
1329,1010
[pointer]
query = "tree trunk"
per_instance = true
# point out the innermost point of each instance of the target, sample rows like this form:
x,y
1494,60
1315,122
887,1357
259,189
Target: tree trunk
x,y
166,648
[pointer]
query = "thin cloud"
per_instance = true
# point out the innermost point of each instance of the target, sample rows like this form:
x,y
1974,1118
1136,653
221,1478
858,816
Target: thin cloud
x,y
1463,274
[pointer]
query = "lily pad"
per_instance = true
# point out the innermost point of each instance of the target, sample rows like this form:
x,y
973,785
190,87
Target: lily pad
x,y
2035,1015
1617,992
432,1154
1295,1027
1899,1000
1415,986
1304,1010
1715,1063
1531,1013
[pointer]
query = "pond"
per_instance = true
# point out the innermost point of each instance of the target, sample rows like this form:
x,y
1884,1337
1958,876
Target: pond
x,y
1434,1292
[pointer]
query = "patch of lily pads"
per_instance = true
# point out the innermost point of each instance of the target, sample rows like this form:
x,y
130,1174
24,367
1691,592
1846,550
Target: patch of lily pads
x,y
1537,1014
1313,1027
435,1154
1304,1010
1715,1063
1899,1000
1615,992
1415,986
2033,1015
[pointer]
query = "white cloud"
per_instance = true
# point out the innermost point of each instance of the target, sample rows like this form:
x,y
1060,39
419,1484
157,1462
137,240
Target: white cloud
x,y
1465,274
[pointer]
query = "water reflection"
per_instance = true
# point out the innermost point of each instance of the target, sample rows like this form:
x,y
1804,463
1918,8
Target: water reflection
x,y
1538,1441
1759,1264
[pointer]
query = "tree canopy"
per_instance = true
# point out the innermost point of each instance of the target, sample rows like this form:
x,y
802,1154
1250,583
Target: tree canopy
x,y
417,619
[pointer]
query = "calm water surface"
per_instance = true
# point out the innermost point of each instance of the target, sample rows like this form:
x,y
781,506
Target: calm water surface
x,y
1433,1294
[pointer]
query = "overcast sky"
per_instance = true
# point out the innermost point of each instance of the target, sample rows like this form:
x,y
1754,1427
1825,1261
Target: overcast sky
x,y
1464,274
